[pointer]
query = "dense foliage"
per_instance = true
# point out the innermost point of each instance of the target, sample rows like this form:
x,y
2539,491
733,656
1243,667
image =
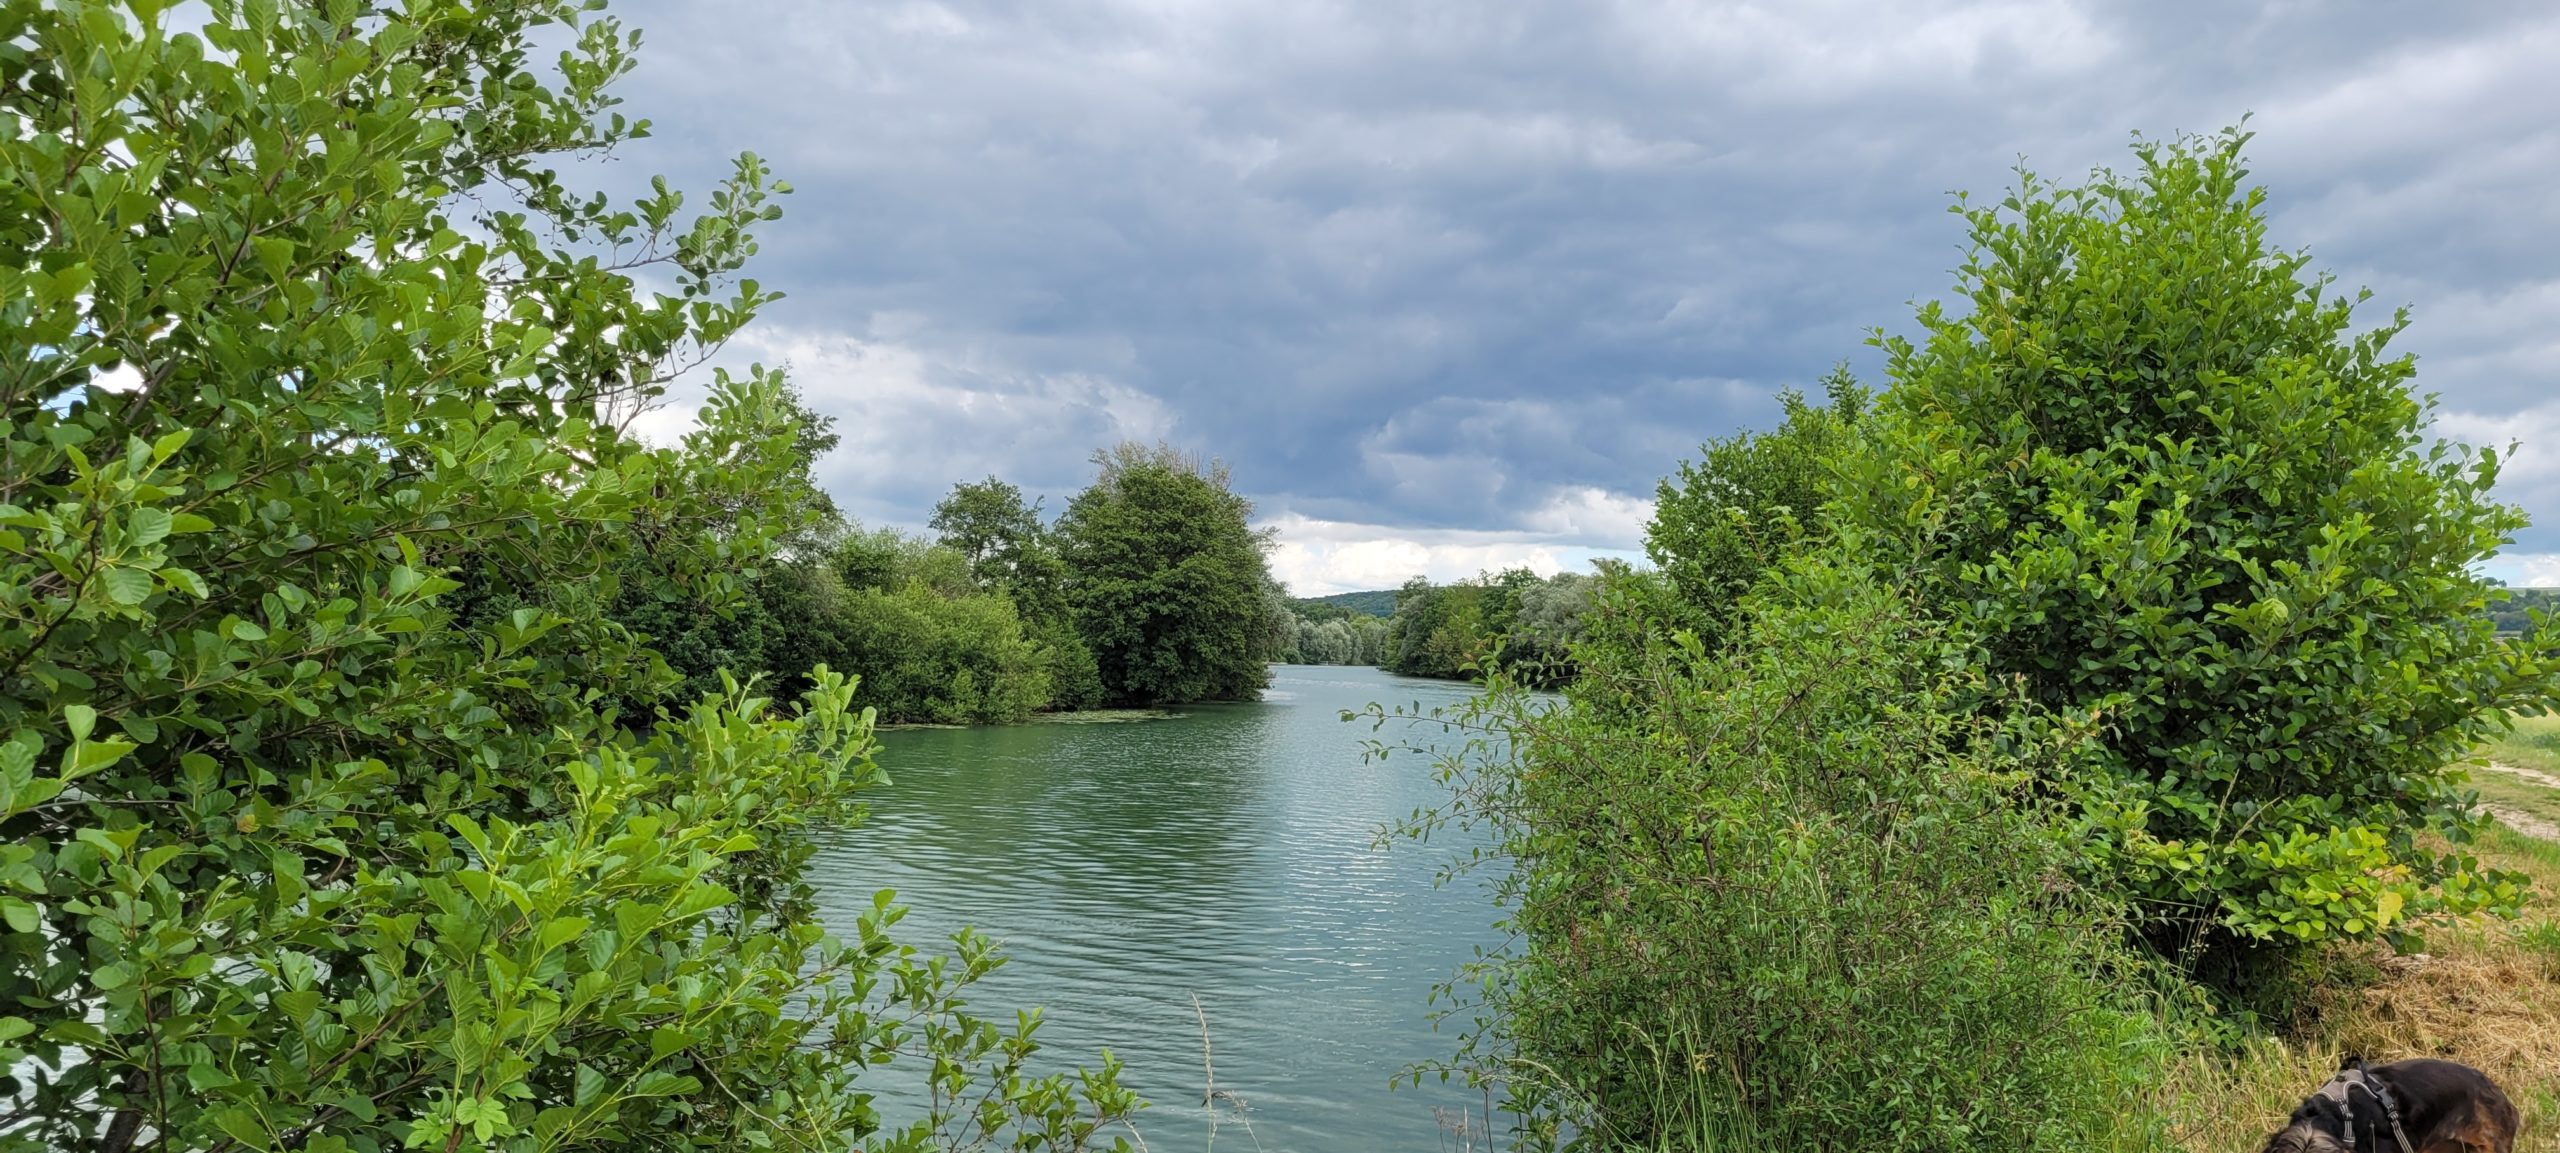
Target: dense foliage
x,y
936,646
2156,477
1379,603
1801,898
1012,551
1311,631
2520,613
1167,579
1749,502
313,515
1004,614
1515,622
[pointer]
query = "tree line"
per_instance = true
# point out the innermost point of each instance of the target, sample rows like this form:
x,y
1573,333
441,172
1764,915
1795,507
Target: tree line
x,y
1318,632
1149,589
2523,609
1513,623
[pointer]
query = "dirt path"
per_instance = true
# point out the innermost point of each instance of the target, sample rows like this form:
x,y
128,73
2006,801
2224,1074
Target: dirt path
x,y
2523,822
2536,776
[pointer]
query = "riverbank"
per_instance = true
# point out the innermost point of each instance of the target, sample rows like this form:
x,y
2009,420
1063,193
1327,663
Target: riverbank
x,y
1077,717
2483,992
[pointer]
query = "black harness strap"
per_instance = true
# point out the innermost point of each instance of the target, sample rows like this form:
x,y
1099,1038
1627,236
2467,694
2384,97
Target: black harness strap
x,y
2341,1089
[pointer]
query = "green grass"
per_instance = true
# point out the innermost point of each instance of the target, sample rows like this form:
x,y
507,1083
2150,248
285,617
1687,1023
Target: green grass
x,y
2510,792
2531,854
2535,744
2485,992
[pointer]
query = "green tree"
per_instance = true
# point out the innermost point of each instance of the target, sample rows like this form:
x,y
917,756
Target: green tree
x,y
1011,550
1749,502
2153,472
1167,578
321,832
707,630
990,524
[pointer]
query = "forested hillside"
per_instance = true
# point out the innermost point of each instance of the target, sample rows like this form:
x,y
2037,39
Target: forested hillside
x,y
2515,615
1380,603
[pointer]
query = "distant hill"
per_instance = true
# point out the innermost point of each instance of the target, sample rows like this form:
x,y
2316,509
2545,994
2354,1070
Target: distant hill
x,y
1378,603
2511,616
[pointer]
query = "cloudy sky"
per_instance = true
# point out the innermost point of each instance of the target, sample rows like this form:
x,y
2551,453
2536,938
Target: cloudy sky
x,y
1452,283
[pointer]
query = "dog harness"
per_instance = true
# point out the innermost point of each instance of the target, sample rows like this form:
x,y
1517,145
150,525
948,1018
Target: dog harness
x,y
2341,1089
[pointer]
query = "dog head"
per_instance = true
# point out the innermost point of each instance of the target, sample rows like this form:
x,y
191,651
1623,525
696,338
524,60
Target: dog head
x,y
2315,1127
2319,1124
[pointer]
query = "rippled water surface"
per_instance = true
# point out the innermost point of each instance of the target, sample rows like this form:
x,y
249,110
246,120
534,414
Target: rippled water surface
x,y
1224,853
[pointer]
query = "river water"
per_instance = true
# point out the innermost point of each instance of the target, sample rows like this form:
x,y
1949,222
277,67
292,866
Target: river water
x,y
1225,853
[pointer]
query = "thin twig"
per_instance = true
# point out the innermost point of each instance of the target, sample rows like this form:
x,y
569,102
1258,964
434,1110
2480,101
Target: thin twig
x,y
1208,1074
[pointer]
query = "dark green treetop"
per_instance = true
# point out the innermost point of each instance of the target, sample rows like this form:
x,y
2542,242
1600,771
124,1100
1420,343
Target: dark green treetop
x,y
1168,578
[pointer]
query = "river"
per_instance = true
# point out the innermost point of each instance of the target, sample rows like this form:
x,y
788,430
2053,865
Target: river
x,y
1225,853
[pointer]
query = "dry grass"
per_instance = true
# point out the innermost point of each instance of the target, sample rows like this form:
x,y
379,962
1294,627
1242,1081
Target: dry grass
x,y
2485,993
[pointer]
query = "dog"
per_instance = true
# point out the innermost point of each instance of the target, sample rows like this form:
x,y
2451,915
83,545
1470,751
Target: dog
x,y
2419,1106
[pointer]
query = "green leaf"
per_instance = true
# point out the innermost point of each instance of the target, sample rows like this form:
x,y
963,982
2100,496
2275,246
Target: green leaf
x,y
185,580
149,526
243,1126
275,254
126,586
86,757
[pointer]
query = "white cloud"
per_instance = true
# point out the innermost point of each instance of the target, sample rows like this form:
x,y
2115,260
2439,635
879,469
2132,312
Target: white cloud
x,y
2530,474
914,419
1454,264
2525,570
1593,516
1317,557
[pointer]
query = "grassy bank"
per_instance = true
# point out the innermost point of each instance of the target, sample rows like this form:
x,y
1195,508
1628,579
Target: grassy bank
x,y
2483,992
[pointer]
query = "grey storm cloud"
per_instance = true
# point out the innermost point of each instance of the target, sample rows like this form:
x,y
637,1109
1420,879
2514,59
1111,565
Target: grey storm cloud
x,y
1442,265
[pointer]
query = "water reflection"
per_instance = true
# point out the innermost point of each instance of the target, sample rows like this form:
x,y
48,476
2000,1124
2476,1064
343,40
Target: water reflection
x,y
1223,853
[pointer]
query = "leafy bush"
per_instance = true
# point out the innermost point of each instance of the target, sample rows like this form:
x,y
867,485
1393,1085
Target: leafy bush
x,y
321,831
1803,901
2152,473
938,647
948,660
1075,680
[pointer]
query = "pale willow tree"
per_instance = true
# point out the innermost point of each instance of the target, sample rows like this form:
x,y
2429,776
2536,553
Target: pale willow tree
x,y
318,834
